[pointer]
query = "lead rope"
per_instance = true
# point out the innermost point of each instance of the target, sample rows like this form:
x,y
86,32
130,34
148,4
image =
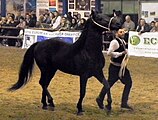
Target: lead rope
x,y
108,28
124,61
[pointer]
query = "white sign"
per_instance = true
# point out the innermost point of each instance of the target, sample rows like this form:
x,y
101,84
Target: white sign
x,y
31,36
145,44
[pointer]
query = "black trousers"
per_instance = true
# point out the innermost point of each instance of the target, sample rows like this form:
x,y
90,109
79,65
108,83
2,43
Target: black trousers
x,y
114,77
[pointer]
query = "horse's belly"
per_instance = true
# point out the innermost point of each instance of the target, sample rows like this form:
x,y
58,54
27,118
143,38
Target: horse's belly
x,y
69,71
69,67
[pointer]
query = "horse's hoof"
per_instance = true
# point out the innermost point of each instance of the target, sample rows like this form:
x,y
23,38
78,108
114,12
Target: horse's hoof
x,y
100,104
108,107
80,113
126,107
51,108
45,108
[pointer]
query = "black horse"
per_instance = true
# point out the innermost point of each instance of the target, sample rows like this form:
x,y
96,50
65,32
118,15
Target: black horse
x,y
83,58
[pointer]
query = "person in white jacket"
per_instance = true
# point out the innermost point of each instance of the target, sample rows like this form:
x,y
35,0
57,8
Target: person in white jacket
x,y
57,20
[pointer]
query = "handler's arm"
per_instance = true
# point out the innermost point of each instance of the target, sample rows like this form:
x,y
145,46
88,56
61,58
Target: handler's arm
x,y
114,45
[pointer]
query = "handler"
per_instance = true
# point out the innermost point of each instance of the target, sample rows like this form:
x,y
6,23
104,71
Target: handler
x,y
117,70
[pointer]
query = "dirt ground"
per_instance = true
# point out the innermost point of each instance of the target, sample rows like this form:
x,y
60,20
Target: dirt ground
x,y
25,104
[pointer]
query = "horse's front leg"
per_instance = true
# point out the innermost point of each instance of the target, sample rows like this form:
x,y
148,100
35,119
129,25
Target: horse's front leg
x,y
83,83
104,90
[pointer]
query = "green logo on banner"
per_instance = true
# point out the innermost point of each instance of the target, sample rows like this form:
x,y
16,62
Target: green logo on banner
x,y
134,40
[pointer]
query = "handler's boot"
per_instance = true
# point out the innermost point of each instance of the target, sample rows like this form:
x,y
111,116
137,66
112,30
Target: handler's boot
x,y
126,106
125,96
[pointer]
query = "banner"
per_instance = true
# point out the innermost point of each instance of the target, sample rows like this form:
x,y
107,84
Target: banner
x,y
145,44
32,36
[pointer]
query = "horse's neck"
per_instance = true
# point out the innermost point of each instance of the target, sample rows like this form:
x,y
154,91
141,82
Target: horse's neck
x,y
90,39
94,39
79,44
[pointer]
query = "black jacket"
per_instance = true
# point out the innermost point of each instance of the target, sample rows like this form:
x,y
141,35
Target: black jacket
x,y
146,28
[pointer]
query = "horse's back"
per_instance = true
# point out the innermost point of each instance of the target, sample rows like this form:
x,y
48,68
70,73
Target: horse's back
x,y
46,51
53,44
56,54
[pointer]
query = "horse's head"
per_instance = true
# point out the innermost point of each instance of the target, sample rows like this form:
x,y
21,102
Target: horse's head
x,y
105,21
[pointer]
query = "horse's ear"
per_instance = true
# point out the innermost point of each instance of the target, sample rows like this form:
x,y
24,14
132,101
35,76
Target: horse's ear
x,y
92,12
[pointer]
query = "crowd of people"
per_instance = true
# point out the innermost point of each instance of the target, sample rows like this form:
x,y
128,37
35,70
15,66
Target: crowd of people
x,y
55,21
51,20
142,26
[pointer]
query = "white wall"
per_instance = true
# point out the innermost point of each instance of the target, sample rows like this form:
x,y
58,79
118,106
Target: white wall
x,y
149,11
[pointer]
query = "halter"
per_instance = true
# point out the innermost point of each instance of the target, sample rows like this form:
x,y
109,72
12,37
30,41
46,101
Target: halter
x,y
108,28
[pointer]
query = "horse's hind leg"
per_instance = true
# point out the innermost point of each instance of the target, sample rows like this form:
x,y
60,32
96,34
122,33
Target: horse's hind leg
x,y
46,76
109,101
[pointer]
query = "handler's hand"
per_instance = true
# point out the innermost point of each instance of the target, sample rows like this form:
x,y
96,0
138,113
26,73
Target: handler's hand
x,y
124,52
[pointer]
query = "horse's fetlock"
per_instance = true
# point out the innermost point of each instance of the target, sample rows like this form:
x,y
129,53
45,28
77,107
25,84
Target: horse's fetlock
x,y
109,101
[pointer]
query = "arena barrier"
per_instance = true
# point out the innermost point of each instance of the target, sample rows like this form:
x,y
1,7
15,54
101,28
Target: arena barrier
x,y
145,44
28,36
34,35
13,29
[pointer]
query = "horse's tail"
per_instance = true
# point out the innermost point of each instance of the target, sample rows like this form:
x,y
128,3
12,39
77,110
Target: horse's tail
x,y
25,69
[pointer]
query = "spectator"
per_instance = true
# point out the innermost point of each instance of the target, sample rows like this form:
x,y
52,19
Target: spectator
x,y
155,28
27,19
10,22
3,21
78,18
33,19
22,23
75,16
81,24
46,11
39,24
142,27
64,24
53,18
41,19
69,16
152,24
11,32
73,24
129,25
8,15
47,19
57,20
30,20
